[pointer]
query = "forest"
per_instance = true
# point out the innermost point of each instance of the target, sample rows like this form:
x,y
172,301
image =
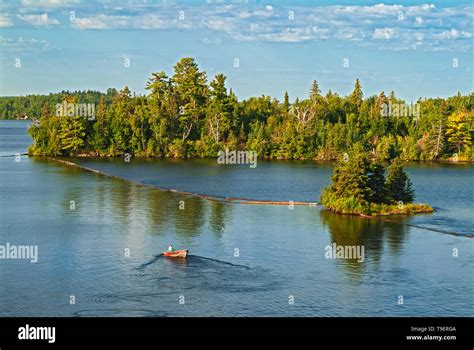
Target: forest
x,y
184,115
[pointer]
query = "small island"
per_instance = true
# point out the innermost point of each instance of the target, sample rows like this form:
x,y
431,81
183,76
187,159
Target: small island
x,y
359,186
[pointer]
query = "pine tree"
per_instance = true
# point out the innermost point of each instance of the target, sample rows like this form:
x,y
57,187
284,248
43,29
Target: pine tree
x,y
350,177
158,85
72,134
381,105
191,93
357,95
376,183
398,184
219,109
119,116
315,92
101,127
286,102
391,97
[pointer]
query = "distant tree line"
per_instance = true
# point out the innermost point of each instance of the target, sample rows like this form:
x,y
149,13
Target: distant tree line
x,y
185,116
34,106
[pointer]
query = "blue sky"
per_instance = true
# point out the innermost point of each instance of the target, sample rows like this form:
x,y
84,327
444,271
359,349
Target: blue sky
x,y
417,49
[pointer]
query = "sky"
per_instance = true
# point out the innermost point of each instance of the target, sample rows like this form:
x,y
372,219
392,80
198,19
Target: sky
x,y
417,49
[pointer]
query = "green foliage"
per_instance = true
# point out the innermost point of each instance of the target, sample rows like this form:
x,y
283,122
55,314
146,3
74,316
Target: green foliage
x,y
258,140
71,134
398,183
35,106
184,116
344,205
315,91
358,186
357,95
191,93
58,135
378,191
350,177
458,135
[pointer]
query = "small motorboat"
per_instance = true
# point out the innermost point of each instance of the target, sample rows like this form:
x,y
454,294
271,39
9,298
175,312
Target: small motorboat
x,y
176,254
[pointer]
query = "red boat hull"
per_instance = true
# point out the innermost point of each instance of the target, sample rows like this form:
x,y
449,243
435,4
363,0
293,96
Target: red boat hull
x,y
176,254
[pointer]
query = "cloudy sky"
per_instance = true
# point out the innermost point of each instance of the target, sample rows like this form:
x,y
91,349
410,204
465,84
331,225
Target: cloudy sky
x,y
416,49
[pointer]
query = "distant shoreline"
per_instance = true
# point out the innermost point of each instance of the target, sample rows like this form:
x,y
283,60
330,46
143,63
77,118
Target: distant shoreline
x,y
93,156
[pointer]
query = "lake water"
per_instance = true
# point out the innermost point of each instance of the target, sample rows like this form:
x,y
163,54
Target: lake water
x,y
246,260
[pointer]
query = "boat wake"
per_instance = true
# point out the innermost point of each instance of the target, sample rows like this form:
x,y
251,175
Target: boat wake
x,y
119,312
13,155
152,261
220,261
193,259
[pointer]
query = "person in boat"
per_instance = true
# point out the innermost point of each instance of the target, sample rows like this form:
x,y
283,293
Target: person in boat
x,y
170,248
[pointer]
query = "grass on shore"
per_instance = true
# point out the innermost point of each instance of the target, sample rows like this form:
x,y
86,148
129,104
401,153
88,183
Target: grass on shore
x,y
350,205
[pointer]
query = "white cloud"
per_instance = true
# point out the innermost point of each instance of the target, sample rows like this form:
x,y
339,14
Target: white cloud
x,y
22,45
220,25
423,25
353,34
384,10
419,36
453,34
38,20
46,3
384,33
379,9
96,22
107,22
5,20
211,41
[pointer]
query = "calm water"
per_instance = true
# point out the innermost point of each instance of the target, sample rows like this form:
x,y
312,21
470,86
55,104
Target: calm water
x,y
82,252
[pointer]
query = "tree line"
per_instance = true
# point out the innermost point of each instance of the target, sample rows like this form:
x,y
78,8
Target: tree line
x,y
34,106
184,115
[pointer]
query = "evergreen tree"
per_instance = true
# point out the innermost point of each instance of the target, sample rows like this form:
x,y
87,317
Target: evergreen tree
x,y
381,105
286,102
350,178
119,117
399,187
191,93
139,126
315,92
376,183
72,134
101,127
219,110
182,115
356,95
158,85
